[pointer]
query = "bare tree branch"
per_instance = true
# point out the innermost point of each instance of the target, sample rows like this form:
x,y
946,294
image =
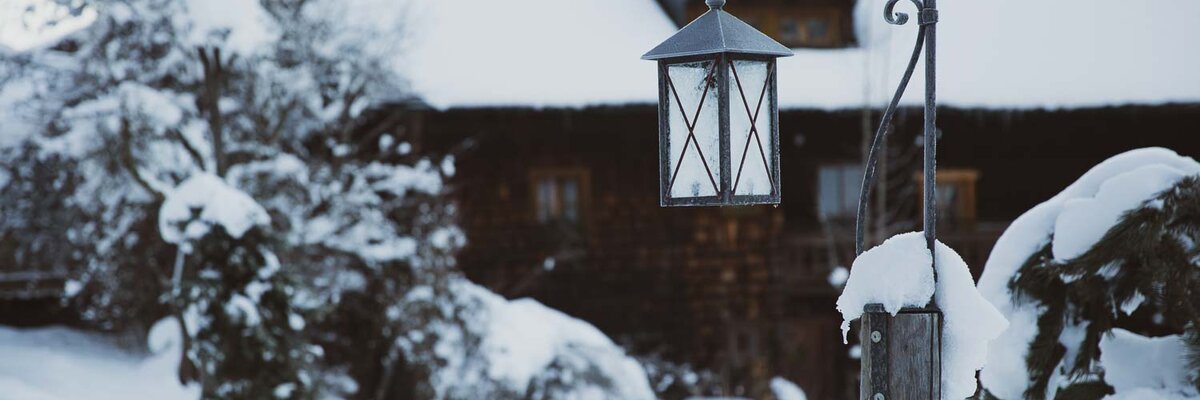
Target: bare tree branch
x,y
187,146
210,105
130,164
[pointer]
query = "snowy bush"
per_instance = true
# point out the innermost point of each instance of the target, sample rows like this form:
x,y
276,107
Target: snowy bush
x,y
898,274
244,317
784,389
674,381
213,163
1100,285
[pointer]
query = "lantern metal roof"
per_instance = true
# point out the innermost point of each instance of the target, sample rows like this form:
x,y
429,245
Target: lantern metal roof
x,y
715,32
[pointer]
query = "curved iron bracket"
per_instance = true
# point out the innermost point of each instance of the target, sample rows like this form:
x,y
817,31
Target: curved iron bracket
x,y
895,18
926,18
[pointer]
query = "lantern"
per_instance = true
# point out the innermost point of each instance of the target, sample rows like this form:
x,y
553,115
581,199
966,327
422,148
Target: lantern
x,y
718,113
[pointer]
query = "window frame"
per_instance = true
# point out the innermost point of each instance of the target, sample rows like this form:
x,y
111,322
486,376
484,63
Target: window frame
x,y
966,204
849,205
582,179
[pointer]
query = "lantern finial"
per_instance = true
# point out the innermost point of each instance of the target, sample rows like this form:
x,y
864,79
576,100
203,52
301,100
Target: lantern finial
x,y
715,4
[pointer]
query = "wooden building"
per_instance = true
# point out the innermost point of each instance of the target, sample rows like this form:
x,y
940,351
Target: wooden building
x,y
562,205
794,23
556,167
556,154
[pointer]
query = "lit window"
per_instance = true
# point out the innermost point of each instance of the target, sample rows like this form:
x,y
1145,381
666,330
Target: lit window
x,y
557,196
837,190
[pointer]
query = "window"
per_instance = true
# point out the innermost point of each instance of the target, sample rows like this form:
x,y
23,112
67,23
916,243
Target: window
x,y
955,196
838,186
558,195
817,31
789,30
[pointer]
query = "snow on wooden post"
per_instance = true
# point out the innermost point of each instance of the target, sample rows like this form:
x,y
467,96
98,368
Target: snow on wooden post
x,y
901,355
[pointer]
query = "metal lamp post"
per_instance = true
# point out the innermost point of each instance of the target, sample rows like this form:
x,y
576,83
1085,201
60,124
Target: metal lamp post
x,y
719,145
718,113
901,356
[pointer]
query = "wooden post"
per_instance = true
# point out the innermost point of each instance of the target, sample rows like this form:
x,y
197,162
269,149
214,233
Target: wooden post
x,y
901,355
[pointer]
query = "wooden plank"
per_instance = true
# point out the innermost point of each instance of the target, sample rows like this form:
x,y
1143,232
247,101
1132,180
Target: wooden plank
x,y
901,355
873,337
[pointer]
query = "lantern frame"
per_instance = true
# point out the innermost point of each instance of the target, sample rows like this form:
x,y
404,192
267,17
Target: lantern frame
x,y
723,41
727,180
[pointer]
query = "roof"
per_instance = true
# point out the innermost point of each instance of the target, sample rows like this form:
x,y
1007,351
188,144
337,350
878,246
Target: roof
x,y
716,31
1012,54
532,53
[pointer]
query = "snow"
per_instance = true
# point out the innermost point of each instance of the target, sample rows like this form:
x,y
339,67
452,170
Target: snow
x,y
897,274
552,53
523,337
1131,305
63,364
204,201
838,276
548,53
1006,375
1134,362
784,389
575,53
241,26
1083,221
17,125
496,347
28,24
242,308
1146,394
1082,59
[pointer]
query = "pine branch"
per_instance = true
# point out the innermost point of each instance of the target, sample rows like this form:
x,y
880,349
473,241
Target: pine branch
x,y
1151,251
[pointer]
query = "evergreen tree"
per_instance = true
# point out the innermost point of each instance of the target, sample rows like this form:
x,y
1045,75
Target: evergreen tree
x,y
1142,276
245,324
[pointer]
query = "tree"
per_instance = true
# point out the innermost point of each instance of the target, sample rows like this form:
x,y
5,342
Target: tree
x,y
1100,291
228,166
261,97
244,315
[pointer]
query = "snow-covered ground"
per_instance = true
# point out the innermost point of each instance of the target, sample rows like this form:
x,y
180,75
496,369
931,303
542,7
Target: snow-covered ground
x,y
525,342
524,345
64,364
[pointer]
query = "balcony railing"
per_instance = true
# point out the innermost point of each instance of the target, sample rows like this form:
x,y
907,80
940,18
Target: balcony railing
x,y
801,263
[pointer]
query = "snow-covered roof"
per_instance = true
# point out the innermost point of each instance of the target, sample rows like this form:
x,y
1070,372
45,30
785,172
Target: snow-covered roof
x,y
552,53
717,32
994,54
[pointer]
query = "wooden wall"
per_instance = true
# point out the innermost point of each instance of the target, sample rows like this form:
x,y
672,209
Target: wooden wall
x,y
742,291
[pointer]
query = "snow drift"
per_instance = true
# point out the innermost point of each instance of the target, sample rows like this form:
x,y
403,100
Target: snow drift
x,y
533,351
64,364
205,201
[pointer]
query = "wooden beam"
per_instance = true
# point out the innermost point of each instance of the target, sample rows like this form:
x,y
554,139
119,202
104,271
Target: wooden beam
x,y
901,355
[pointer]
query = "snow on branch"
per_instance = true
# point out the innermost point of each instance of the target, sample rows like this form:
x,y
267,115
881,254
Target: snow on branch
x,y
202,202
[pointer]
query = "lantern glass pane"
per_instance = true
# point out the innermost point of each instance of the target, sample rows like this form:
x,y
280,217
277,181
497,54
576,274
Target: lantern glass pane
x,y
693,137
750,127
